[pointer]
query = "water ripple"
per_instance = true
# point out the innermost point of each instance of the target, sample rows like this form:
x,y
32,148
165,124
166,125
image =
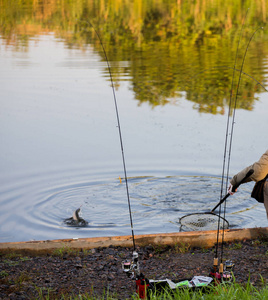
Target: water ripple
x,y
34,209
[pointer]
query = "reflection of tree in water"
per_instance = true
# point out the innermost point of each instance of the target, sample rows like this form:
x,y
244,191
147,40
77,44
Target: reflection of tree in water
x,y
170,46
204,75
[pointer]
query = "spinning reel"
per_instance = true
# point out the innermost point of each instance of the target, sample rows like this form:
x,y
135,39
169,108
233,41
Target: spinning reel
x,y
227,274
132,267
222,273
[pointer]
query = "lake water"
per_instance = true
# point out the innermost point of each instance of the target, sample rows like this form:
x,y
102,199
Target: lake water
x,y
60,147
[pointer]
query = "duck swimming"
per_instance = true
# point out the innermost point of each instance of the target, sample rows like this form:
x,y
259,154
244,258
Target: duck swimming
x,y
76,220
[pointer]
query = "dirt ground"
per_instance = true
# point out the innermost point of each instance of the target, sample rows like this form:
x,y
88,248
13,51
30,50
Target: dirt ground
x,y
98,271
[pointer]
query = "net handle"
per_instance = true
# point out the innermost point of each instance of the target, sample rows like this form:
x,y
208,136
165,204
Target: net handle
x,y
249,173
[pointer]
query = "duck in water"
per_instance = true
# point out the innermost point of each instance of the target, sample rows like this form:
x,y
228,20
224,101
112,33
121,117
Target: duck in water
x,y
76,220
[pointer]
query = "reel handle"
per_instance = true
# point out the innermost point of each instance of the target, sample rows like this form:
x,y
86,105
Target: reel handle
x,y
249,173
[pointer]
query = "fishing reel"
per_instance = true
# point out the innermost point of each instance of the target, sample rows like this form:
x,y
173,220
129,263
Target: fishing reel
x,y
131,267
224,272
227,274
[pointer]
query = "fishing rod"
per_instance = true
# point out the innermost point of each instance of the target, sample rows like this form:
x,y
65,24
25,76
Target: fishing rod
x,y
232,127
236,96
130,267
119,130
196,221
227,132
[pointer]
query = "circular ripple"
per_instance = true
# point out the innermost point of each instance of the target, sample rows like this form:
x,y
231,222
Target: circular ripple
x,y
35,207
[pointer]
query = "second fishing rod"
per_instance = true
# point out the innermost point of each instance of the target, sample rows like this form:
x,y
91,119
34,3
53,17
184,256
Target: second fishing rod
x,y
119,129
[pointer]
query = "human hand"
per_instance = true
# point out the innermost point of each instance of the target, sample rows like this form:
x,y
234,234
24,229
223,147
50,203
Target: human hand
x,y
230,189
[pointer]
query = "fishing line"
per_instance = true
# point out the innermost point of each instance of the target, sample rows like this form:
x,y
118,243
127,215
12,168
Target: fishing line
x,y
227,131
119,130
195,221
231,68
233,122
237,90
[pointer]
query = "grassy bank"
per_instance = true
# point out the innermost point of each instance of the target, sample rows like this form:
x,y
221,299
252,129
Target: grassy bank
x,y
223,291
98,273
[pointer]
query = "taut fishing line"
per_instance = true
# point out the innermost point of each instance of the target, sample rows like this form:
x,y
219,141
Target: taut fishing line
x,y
204,220
227,133
237,92
119,130
209,220
233,122
231,68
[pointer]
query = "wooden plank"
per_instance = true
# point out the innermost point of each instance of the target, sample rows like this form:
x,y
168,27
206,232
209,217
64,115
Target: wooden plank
x,y
202,239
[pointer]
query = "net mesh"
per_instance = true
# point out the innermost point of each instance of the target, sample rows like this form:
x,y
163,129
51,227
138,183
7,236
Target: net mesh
x,y
202,221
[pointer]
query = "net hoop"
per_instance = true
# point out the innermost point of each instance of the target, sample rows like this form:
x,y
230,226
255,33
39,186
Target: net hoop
x,y
202,221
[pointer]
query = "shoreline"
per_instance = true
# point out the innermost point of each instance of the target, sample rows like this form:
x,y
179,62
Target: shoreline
x,y
69,272
201,239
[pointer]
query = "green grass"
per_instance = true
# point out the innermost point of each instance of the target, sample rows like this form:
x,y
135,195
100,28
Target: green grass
x,y
224,291
236,246
11,263
65,250
3,274
182,247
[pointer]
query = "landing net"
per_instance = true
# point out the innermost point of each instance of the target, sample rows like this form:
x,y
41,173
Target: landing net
x,y
202,221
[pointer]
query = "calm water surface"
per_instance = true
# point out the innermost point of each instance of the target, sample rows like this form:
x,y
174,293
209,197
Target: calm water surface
x,y
60,148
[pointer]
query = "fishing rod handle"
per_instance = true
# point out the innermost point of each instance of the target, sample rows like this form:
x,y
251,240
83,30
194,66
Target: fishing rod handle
x,y
249,173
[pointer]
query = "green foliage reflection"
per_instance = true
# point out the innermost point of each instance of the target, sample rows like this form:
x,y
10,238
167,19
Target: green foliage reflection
x,y
165,48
